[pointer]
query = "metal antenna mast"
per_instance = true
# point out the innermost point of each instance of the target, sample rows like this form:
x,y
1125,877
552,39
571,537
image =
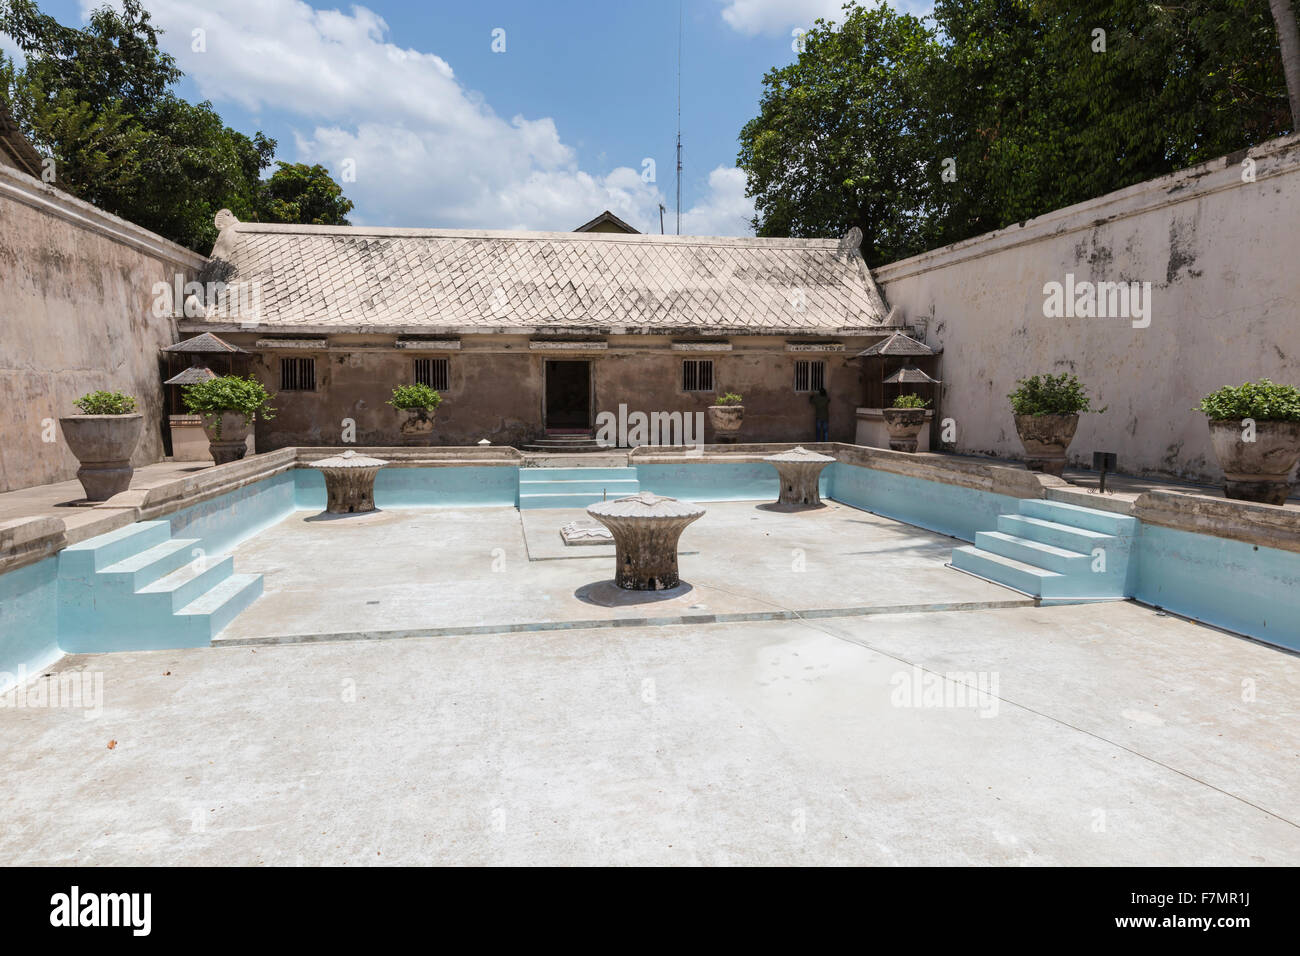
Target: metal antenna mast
x,y
679,117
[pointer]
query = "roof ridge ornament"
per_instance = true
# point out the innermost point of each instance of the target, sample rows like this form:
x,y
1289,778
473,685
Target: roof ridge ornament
x,y
851,241
224,248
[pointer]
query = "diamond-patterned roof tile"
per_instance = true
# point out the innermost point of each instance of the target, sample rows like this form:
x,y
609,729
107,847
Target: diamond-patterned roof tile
x,y
345,277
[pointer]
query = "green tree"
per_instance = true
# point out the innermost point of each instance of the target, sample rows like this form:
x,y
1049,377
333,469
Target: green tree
x,y
299,193
1023,103
842,135
99,101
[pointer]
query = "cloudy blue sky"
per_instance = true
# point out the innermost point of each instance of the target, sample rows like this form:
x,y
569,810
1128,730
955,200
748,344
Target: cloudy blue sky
x,y
443,131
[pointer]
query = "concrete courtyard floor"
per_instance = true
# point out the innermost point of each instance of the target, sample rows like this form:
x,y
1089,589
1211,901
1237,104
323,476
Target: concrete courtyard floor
x,y
1107,734
447,571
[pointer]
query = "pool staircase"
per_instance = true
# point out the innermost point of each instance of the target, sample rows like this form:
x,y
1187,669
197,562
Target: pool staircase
x,y
574,487
1057,552
138,588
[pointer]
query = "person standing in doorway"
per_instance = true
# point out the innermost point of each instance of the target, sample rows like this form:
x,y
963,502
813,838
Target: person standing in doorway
x,y
821,404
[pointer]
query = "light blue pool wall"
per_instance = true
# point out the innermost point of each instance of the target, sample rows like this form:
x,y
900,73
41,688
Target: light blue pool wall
x,y
953,510
467,486
1247,588
715,481
29,639
223,522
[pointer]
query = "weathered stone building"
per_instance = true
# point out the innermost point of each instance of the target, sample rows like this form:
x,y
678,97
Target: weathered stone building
x,y
526,333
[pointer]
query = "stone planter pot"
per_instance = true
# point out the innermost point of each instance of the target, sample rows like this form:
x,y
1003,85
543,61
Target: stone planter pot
x,y
103,445
227,435
1046,437
726,421
1258,470
417,429
904,424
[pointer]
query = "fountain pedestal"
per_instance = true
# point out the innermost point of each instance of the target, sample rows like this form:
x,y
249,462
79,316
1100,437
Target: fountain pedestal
x,y
349,482
800,472
646,528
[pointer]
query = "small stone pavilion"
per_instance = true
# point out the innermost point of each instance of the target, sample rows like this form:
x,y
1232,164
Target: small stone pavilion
x,y
529,334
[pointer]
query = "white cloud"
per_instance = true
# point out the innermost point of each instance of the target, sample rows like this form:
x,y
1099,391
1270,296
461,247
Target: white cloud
x,y
726,211
752,17
427,151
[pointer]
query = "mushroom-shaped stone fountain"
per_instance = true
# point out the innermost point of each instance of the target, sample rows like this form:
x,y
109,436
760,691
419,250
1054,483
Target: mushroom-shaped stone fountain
x,y
645,529
800,472
349,482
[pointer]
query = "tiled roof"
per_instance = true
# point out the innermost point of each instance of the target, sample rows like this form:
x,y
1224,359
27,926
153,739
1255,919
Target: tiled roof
x,y
332,278
897,344
608,218
202,344
910,376
192,376
15,148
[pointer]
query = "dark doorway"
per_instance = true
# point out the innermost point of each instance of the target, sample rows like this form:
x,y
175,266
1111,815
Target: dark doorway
x,y
568,396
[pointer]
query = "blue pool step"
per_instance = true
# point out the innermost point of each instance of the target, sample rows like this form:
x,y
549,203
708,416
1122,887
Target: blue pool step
x,y
574,487
138,588
1057,552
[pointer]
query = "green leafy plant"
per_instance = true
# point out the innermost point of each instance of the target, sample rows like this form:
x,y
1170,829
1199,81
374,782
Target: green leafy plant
x,y
411,397
229,393
1263,401
1060,394
105,403
911,401
730,398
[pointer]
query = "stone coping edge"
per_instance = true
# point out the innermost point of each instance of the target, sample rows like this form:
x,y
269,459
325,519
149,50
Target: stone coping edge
x,y
25,541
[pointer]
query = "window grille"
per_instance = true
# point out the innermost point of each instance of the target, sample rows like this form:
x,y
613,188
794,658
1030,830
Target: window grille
x,y
809,376
297,375
697,375
433,372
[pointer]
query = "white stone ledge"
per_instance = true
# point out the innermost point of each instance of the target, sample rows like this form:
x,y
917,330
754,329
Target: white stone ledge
x,y
30,191
1276,157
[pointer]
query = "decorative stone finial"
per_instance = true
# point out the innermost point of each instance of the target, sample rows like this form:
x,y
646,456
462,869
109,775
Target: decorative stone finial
x,y
852,240
224,218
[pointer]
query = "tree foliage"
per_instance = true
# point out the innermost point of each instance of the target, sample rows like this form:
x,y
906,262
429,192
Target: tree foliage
x,y
99,101
305,194
1025,106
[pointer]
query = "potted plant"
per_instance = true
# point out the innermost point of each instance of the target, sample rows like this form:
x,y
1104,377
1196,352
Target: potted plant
x,y
905,421
1047,409
103,438
1255,431
420,402
726,415
228,406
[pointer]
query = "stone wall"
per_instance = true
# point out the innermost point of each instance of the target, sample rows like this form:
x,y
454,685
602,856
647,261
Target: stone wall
x,y
497,387
1219,252
76,296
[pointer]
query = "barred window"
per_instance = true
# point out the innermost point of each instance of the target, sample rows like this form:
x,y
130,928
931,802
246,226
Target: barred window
x,y
809,376
297,375
433,372
697,375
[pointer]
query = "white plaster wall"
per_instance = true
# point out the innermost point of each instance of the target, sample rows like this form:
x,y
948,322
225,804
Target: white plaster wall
x,y
75,316
1223,259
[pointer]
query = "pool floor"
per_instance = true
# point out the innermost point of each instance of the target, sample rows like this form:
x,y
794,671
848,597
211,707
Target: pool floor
x,y
446,571
1115,736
